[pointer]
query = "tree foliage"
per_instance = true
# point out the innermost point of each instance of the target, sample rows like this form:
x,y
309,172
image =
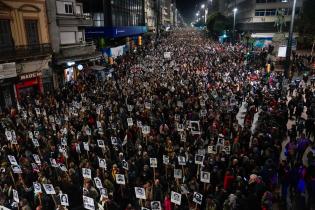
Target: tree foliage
x,y
305,25
217,23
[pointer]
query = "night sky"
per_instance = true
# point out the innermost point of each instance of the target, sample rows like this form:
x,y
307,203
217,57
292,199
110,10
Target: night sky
x,y
188,8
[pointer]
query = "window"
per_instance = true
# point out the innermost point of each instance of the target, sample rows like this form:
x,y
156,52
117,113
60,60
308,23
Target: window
x,y
68,8
98,19
31,29
67,37
5,34
64,7
270,12
78,10
259,12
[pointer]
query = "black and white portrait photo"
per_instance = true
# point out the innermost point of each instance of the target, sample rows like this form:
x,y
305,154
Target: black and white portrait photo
x,y
205,177
120,179
140,193
197,198
64,200
176,198
156,205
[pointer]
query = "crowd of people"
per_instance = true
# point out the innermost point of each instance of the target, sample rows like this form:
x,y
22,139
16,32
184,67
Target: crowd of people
x,y
182,122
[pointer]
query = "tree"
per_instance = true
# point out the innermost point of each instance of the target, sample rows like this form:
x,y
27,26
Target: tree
x,y
305,24
217,23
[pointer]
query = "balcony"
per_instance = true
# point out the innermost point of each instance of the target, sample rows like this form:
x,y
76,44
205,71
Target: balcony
x,y
74,20
13,53
75,50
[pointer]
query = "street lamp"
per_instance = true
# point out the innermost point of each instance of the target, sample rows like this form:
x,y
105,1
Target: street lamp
x,y
203,6
234,12
289,48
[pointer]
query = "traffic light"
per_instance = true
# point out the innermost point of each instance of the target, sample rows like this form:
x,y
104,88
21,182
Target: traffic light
x,y
139,40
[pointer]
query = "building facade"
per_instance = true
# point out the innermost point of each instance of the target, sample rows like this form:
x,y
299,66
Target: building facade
x,y
71,52
259,16
116,19
25,50
151,15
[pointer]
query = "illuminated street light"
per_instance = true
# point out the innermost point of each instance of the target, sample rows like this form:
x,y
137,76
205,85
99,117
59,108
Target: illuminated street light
x,y
234,11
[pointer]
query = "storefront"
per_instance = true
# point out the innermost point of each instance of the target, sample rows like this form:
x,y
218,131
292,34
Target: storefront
x,y
29,84
8,76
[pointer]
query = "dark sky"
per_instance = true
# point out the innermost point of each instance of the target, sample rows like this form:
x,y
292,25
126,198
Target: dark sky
x,y
188,8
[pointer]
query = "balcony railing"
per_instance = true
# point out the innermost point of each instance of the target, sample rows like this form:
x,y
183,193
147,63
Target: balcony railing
x,y
24,51
77,49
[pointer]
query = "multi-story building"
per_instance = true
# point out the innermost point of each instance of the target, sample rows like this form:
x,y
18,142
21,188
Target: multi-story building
x,y
259,16
151,14
71,52
166,13
116,20
25,50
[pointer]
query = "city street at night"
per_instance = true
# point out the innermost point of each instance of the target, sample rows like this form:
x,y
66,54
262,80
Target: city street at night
x,y
157,105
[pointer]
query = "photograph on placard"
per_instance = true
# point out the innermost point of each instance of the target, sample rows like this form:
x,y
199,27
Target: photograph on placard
x,y
15,195
12,160
181,160
63,167
100,143
16,169
36,134
166,160
120,179
86,146
86,173
53,162
49,189
194,127
35,167
212,149
197,198
37,187
125,165
102,163
88,203
146,129
178,173
176,198
140,193
114,140
64,201
35,142
98,183
180,127
129,122
37,159
153,162
220,141
199,159
182,137
205,177
8,135
103,192
156,205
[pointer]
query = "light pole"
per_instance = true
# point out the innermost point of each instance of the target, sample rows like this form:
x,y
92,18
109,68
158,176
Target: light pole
x,y
234,22
289,47
203,6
